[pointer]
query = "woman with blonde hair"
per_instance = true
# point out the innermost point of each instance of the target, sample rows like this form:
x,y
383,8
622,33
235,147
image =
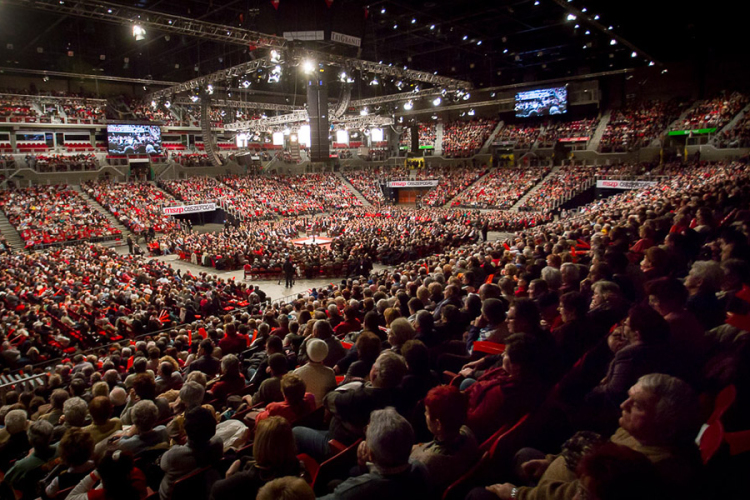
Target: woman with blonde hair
x,y
274,456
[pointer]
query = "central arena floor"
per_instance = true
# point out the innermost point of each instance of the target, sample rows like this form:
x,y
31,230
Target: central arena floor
x,y
274,289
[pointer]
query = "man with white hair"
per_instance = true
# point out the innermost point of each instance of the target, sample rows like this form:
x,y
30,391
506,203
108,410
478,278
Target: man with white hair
x,y
659,419
13,439
386,453
75,413
27,472
703,282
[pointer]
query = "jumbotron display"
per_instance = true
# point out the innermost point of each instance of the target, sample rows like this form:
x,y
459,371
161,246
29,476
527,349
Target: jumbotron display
x,y
542,102
134,139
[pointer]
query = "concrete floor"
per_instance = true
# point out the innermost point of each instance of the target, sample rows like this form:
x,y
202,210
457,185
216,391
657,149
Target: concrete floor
x,y
274,290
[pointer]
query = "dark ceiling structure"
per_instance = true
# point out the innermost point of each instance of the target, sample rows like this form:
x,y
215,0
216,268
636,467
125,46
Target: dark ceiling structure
x,y
488,43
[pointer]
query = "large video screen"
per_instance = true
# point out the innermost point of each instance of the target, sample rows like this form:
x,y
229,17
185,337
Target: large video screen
x,y
542,102
134,139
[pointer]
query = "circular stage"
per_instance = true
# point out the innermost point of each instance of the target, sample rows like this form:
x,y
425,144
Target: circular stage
x,y
313,240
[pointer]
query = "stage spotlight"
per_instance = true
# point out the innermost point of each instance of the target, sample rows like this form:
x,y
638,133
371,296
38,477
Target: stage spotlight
x,y
613,42
634,54
275,56
153,104
210,89
194,98
308,66
364,111
651,63
467,96
139,33
571,17
471,112
167,104
342,76
408,105
246,83
374,81
437,101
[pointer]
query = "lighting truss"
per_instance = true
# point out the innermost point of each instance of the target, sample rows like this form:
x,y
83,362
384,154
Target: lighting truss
x,y
220,76
167,23
266,123
403,96
352,64
224,103
363,122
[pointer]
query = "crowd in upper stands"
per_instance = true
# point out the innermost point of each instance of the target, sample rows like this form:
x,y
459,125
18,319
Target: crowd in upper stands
x,y
501,189
595,334
582,130
62,163
736,137
463,139
137,205
712,113
522,136
636,125
46,215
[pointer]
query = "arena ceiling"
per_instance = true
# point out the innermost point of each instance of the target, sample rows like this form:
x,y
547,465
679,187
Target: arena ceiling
x,y
489,43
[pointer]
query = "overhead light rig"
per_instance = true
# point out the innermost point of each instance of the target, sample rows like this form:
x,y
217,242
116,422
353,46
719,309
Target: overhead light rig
x,y
224,103
220,76
167,23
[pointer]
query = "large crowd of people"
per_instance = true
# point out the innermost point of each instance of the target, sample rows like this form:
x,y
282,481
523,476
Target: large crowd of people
x,y
610,334
48,215
62,163
637,125
576,130
501,189
736,137
521,136
464,139
137,205
712,113
15,107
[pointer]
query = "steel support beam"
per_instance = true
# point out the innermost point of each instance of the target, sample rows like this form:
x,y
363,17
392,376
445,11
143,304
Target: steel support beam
x,y
167,23
222,76
225,103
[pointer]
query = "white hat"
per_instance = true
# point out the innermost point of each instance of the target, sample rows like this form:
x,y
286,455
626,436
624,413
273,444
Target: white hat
x,y
317,350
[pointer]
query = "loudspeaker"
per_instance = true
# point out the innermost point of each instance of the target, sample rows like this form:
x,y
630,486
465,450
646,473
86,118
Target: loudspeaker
x,y
415,139
317,109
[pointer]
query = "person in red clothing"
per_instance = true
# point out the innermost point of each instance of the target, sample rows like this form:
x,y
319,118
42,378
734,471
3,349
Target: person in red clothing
x,y
504,394
350,323
297,401
120,480
233,342
231,380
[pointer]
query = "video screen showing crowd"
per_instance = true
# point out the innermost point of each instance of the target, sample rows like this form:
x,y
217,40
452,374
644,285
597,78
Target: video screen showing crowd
x,y
542,102
134,139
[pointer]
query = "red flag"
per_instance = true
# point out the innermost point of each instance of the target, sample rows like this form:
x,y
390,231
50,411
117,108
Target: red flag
x,y
202,332
275,4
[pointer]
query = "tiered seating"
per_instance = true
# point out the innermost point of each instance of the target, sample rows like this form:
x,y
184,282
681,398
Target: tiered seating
x,y
522,136
197,189
291,195
573,131
561,185
736,137
46,215
453,180
562,361
712,113
138,205
501,189
635,126
462,139
63,163
16,109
